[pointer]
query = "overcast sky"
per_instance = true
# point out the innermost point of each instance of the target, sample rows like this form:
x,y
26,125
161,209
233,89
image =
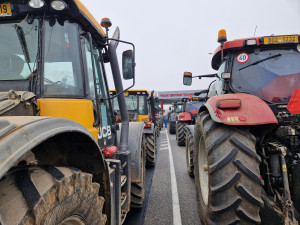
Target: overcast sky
x,y
173,36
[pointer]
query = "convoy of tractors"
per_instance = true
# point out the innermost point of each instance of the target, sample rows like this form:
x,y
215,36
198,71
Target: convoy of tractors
x,y
74,152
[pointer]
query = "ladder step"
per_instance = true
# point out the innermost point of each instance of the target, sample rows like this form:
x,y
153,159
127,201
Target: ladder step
x,y
123,198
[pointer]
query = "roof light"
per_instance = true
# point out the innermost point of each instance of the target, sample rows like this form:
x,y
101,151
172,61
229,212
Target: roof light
x,y
36,4
106,23
58,5
251,42
229,104
225,75
222,37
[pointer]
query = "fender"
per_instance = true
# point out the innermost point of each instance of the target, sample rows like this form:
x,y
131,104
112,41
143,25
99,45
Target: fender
x,y
184,116
253,110
53,141
149,130
134,146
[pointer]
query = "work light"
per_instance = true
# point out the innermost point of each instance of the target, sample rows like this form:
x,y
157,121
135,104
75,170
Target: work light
x,y
36,4
58,5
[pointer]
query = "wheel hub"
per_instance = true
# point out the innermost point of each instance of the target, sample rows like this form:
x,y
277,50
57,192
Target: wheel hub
x,y
73,220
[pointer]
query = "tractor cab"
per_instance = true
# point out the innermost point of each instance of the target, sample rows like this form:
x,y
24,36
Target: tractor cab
x,y
136,102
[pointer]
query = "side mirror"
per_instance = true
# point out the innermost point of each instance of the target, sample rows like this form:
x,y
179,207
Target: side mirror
x,y
128,65
187,78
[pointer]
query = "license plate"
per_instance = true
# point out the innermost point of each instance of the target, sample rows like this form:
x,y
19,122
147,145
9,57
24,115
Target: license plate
x,y
5,9
281,39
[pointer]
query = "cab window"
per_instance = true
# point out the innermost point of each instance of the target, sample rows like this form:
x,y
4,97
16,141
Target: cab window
x,y
219,80
62,63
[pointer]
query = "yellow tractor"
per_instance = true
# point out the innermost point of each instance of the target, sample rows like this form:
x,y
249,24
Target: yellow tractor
x,y
64,159
139,110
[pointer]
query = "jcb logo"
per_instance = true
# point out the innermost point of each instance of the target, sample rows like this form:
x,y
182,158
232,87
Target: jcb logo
x,y
104,132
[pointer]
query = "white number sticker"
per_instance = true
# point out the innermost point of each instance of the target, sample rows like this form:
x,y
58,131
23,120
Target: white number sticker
x,y
242,57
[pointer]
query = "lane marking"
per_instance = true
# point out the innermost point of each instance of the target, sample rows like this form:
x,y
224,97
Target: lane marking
x,y
175,197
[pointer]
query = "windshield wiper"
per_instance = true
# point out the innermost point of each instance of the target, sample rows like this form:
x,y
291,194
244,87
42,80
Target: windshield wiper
x,y
259,61
22,40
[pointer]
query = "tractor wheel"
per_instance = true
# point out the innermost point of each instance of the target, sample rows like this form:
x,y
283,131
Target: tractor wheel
x,y
189,147
227,174
53,195
138,188
150,150
180,134
172,127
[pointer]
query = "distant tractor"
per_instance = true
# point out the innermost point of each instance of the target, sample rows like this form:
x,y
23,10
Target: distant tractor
x,y
139,110
245,151
187,117
173,117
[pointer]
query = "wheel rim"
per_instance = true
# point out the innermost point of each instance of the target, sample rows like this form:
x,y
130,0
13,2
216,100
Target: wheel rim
x,y
203,170
73,220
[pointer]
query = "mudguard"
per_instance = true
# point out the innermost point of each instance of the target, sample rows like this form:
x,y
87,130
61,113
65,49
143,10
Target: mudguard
x,y
134,146
149,130
253,110
184,116
19,135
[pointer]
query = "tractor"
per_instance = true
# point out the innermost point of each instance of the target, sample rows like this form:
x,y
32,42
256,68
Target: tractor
x,y
64,159
187,117
177,107
139,110
244,149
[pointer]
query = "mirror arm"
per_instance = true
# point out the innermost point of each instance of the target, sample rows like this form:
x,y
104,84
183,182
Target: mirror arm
x,y
208,75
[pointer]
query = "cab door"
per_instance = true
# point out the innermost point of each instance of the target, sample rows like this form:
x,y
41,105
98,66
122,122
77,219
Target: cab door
x,y
99,94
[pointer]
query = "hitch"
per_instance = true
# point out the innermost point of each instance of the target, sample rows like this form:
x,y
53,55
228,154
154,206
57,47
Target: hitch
x,y
287,204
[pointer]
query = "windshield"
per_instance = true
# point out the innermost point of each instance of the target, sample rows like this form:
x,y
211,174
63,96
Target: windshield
x,y
274,75
18,50
193,107
136,103
179,109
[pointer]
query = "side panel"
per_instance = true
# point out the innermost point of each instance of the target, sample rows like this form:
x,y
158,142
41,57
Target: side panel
x,y
77,110
184,116
253,111
134,146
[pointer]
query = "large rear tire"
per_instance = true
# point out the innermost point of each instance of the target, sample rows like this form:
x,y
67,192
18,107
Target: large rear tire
x,y
172,127
189,148
180,134
138,188
227,174
150,150
50,196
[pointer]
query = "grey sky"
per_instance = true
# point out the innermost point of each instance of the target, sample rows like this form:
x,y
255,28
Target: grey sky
x,y
174,36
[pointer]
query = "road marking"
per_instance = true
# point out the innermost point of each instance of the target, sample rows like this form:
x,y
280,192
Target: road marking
x,y
175,198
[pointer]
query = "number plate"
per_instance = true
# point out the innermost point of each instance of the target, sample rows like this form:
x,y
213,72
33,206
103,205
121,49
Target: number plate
x,y
281,39
5,9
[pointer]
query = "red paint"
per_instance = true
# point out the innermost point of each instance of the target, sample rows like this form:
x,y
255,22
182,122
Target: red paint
x,y
147,125
109,152
162,106
253,110
184,116
194,111
294,104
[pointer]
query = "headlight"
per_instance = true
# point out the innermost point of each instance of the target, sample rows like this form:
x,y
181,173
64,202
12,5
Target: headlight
x,y
58,5
36,4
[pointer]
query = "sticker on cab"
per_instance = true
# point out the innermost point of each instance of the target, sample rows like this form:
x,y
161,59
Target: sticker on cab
x,y
242,57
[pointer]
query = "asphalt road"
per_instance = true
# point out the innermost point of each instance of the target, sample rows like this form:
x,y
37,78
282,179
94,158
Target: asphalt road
x,y
171,197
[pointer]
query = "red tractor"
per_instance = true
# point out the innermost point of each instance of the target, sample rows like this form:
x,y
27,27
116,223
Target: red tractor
x,y
244,150
187,117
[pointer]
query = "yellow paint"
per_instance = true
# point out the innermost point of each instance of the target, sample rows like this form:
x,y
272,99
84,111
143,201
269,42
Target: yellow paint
x,y
236,119
228,119
141,118
284,169
78,110
87,13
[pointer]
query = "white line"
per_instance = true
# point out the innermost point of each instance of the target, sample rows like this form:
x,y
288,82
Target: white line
x,y
175,198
